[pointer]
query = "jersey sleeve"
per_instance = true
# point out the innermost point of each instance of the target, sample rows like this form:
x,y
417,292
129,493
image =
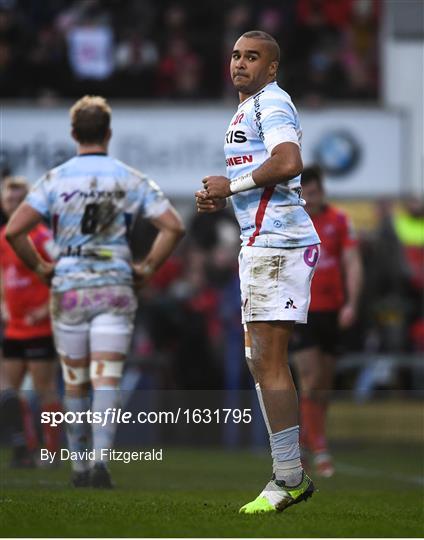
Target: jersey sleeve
x,y
38,197
154,203
277,123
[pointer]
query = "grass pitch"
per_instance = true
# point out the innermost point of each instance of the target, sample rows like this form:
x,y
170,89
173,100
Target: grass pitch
x,y
377,491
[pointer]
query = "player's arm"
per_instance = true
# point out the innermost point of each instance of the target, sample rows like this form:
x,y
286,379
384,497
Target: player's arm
x,y
284,163
170,231
352,268
22,221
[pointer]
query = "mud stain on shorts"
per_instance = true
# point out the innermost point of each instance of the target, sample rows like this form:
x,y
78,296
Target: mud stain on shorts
x,y
265,274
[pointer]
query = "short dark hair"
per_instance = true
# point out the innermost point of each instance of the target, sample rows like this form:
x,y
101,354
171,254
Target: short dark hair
x,y
90,119
312,173
259,34
15,182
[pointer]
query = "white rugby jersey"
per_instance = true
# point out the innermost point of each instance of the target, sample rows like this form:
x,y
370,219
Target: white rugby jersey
x,y
91,202
271,216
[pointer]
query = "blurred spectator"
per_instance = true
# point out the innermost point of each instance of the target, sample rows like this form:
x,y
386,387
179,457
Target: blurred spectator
x,y
360,50
409,228
179,50
179,72
237,21
136,60
392,309
48,62
90,51
90,41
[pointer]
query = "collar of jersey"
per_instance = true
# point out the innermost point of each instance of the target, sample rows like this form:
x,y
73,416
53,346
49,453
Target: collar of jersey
x,y
93,154
253,97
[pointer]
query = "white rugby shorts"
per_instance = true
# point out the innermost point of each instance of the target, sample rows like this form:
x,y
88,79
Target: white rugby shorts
x,y
96,319
276,283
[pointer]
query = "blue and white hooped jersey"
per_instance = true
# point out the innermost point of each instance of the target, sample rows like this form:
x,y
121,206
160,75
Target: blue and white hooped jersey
x,y
91,202
271,216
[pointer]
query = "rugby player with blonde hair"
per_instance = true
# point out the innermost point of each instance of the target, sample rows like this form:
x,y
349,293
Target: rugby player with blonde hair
x,y
92,201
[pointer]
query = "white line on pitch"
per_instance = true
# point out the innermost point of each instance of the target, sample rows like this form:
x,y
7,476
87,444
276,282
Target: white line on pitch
x,y
367,473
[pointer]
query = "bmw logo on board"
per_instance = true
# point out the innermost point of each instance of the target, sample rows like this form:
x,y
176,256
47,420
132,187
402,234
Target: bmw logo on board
x,y
337,152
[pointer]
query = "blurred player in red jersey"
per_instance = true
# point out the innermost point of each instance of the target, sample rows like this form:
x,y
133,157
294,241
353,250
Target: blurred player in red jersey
x,y
28,342
335,293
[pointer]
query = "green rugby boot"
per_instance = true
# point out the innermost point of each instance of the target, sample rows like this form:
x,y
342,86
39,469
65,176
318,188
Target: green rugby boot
x,y
276,496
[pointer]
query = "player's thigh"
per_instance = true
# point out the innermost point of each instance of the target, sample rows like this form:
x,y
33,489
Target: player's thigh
x,y
15,370
275,283
72,340
13,362
328,332
40,355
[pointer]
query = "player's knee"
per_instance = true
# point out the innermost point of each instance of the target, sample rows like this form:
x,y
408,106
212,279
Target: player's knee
x,y
265,372
106,371
76,375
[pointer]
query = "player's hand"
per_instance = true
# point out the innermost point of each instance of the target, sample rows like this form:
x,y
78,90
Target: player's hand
x,y
347,316
142,272
217,187
45,271
207,205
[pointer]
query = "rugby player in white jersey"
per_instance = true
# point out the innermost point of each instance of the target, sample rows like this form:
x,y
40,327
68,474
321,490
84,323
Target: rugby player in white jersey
x,y
279,250
92,201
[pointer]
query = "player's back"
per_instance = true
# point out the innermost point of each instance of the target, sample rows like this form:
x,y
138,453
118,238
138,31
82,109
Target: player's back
x,y
91,201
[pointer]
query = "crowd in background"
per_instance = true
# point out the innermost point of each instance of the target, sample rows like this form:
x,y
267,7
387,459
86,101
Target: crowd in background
x,y
179,50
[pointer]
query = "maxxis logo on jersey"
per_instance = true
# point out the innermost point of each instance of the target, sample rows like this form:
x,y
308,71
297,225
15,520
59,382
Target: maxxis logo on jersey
x,y
94,194
237,136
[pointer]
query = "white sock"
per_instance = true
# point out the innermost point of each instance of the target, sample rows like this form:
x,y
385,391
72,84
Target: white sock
x,y
285,453
104,398
262,405
78,434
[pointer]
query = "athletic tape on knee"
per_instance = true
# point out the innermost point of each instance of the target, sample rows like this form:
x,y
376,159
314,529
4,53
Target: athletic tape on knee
x,y
247,348
106,368
262,405
75,375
